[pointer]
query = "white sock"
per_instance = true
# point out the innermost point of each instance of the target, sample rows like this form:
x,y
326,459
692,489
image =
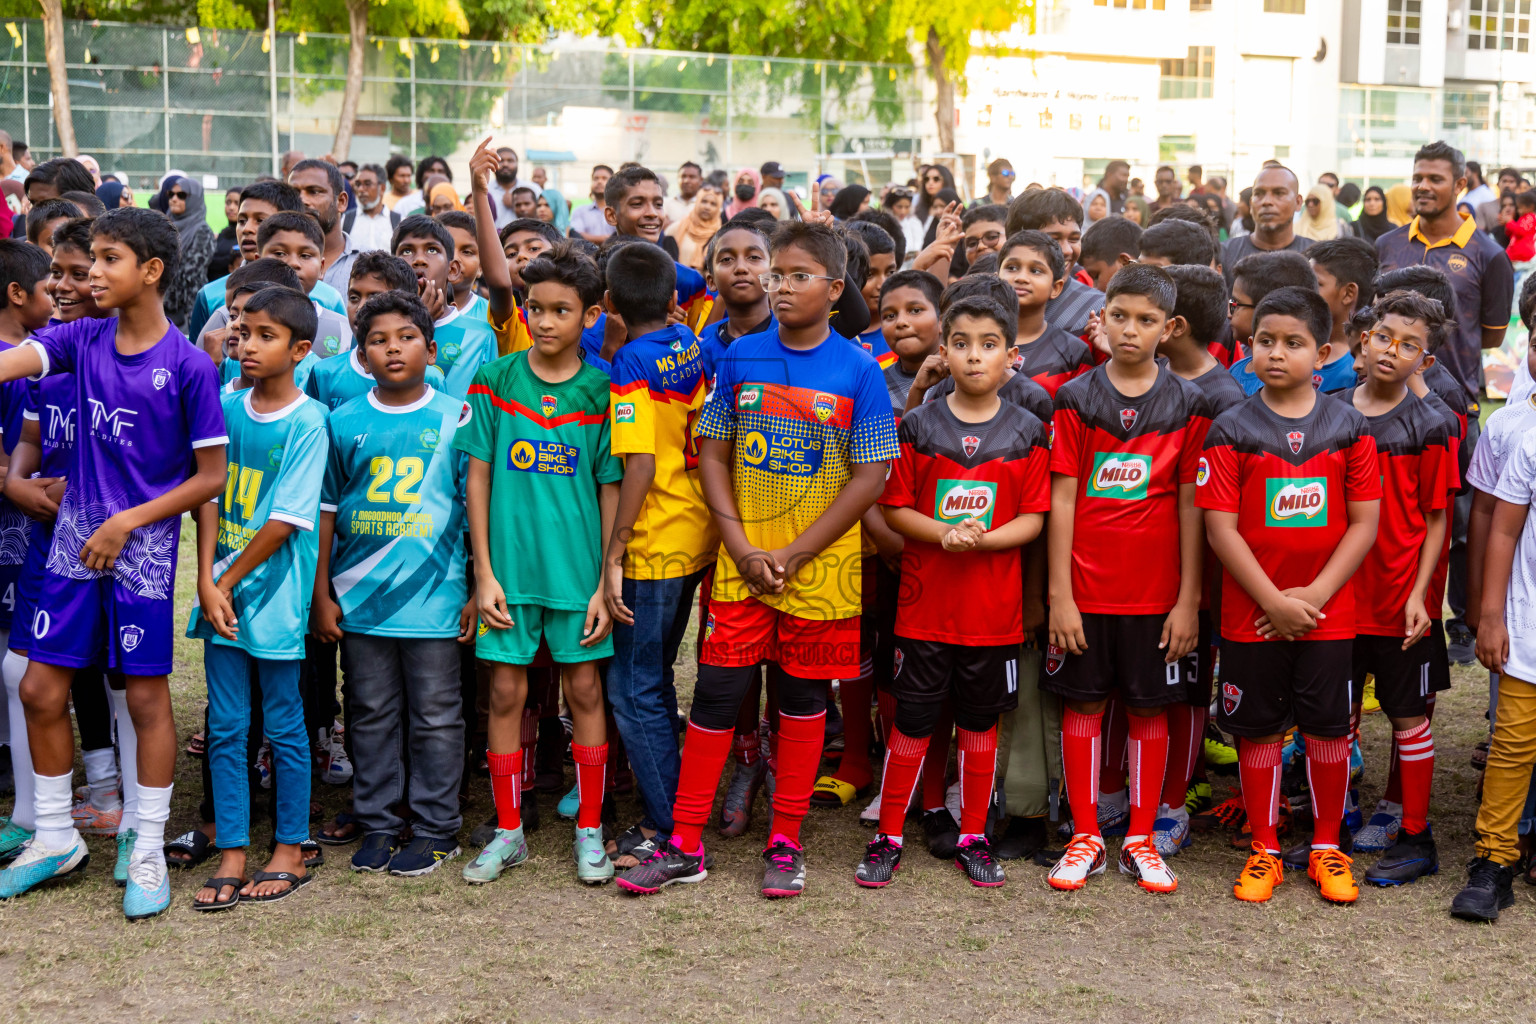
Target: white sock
x,y
154,812
1179,813
1120,801
12,668
101,776
55,828
128,758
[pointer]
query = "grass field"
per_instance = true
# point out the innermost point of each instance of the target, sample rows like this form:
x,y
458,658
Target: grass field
x,y
536,946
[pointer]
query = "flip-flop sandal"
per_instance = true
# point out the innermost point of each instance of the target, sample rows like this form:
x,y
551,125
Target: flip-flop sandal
x,y
217,885
295,883
197,746
192,845
831,792
342,831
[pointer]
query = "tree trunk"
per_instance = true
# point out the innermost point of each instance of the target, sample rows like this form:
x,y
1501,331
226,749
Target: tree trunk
x,y
58,76
357,22
945,88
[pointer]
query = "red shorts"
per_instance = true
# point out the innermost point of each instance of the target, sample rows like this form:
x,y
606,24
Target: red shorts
x,y
738,633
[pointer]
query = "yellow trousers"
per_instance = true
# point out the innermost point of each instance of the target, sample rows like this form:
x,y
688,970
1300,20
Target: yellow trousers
x,y
1507,779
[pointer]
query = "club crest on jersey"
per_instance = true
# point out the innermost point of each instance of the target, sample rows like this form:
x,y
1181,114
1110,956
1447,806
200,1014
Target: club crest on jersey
x,y
1457,262
1202,472
1231,697
709,629
429,439
1054,657
160,378
970,442
677,344
896,663
484,629
1120,475
130,637
1127,418
275,455
958,500
548,404
1295,438
331,344
1302,501
751,398
868,347
824,405
465,414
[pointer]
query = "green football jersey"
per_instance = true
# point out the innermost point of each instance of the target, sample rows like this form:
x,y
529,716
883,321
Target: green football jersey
x,y
276,470
548,448
335,382
396,485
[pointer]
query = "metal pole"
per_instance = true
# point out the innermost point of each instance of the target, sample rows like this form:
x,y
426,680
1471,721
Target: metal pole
x,y
413,103
165,92
272,76
26,93
729,62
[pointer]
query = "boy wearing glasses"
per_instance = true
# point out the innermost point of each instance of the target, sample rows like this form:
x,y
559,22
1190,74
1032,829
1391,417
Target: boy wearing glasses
x,y
793,445
1254,278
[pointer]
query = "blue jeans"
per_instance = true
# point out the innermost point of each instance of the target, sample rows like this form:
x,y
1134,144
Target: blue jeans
x,y
231,673
640,687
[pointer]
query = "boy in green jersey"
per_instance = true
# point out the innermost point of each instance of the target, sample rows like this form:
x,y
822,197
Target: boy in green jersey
x,y
256,553
542,471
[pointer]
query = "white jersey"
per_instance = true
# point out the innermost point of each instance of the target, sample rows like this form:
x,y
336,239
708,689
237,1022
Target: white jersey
x,y
1517,484
1500,436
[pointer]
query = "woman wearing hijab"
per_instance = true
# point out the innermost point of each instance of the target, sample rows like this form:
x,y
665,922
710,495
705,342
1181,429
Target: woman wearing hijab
x,y
443,197
1136,210
1400,204
114,194
744,191
850,201
1096,205
182,200
554,201
1318,220
693,232
774,201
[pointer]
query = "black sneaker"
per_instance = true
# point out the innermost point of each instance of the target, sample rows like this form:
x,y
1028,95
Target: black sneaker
x,y
943,833
1021,838
662,868
1459,646
1411,857
1299,856
530,809
422,856
484,832
882,859
376,852
1490,889
976,859
783,870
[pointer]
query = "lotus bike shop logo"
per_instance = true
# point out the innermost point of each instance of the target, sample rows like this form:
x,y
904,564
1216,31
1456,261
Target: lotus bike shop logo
x,y
958,500
1302,501
1120,475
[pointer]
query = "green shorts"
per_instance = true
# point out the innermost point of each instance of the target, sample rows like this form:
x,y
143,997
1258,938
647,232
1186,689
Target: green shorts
x,y
560,629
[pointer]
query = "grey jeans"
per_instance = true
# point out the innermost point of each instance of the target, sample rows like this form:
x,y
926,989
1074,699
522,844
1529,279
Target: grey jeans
x,y
390,678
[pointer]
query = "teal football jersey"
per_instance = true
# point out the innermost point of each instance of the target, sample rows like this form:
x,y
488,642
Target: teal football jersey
x,y
397,485
230,371
464,344
335,382
276,471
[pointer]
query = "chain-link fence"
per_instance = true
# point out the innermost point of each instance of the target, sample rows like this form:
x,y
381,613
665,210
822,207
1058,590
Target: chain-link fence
x,y
224,103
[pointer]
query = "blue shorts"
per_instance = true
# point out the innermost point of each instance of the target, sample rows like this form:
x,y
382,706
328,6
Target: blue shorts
x,y
32,573
75,622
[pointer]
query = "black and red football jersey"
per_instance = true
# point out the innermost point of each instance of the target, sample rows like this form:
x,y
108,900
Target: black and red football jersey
x,y
1017,390
1129,456
1053,359
1290,482
1221,389
1418,476
951,471
1225,348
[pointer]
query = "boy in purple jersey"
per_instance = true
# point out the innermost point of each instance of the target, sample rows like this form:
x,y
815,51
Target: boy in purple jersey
x,y
150,448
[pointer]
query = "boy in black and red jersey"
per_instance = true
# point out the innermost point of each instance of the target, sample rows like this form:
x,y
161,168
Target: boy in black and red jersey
x,y
1418,475
1290,488
1032,264
1127,440
968,491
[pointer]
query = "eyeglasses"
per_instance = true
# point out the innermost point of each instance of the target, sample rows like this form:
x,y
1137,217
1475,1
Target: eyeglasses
x,y
776,282
1233,306
1386,343
177,195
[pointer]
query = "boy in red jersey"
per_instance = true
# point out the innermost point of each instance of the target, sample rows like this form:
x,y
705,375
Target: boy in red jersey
x,y
970,489
1127,440
1289,484
1032,264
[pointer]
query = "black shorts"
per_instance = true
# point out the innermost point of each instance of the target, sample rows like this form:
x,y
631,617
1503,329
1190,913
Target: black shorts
x,y
1268,686
877,622
1404,679
1122,658
1439,657
1199,666
983,680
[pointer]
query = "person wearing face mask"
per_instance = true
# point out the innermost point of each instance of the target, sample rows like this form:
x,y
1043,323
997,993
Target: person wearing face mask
x,y
744,192
371,224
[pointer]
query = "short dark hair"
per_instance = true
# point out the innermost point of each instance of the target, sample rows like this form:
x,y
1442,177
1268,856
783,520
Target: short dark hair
x,y
419,225
1263,272
891,226
1108,237
150,235
348,163
876,239
525,188
1202,300
289,307
62,173
390,269
1526,305
619,184
641,280
1302,303
89,203
461,219
988,286
263,273
49,210
395,162
1351,260
549,232
690,163
996,212
1192,214
278,194
735,224
602,167
18,149
1179,242
918,280
982,307
1363,320
404,303
823,244
986,263
857,267
21,263
1147,281
1413,306
1526,199
333,175
566,265
303,223
1442,150
1041,207
1428,281
73,234
424,168
1042,243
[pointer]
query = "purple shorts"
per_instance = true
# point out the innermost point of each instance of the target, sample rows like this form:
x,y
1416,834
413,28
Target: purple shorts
x,y
76,622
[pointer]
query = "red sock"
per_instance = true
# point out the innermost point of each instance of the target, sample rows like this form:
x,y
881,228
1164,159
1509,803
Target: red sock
x,y
800,741
704,757
1328,777
529,738
903,762
936,763
591,765
1416,756
746,748
1394,791
1186,726
1080,741
1112,751
978,774
506,788
855,768
1258,772
1148,750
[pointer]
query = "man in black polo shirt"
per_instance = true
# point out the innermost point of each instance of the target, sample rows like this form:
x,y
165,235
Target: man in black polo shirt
x,y
1276,201
1484,282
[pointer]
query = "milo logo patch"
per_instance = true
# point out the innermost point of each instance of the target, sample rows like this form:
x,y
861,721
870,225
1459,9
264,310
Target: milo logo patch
x,y
958,500
1301,501
1120,475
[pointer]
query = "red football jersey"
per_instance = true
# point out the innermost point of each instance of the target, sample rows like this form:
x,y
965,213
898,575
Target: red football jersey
x,y
952,471
1289,481
1053,359
1129,456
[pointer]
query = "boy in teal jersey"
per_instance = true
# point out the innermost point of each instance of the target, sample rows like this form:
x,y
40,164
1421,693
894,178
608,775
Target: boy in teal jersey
x,y
463,343
394,502
257,550
229,341
541,468
466,250
296,239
